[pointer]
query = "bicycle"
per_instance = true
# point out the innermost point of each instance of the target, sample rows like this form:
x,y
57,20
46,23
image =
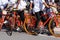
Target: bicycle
x,y
52,18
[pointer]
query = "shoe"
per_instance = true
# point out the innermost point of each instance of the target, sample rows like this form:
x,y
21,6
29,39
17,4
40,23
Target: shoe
x,y
5,22
18,29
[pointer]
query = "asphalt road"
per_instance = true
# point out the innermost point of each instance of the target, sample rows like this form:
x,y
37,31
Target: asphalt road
x,y
24,36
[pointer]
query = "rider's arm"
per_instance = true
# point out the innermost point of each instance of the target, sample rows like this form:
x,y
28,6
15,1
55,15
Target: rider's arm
x,y
43,1
53,5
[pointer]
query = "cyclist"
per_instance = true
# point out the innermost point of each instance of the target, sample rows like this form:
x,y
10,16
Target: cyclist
x,y
38,8
21,5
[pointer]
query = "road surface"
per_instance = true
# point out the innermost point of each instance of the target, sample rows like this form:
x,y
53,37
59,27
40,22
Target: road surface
x,y
24,36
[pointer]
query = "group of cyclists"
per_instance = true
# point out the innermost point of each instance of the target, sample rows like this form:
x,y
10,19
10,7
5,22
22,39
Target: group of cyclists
x,y
38,7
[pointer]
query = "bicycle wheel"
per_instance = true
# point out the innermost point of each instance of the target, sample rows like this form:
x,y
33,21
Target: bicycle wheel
x,y
52,27
29,28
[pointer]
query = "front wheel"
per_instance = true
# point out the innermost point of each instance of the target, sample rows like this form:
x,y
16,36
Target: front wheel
x,y
52,27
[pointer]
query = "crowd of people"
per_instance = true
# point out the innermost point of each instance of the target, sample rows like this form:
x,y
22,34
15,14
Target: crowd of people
x,y
37,6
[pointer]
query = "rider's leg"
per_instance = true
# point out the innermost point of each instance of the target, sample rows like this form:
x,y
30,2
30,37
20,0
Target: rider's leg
x,y
38,18
21,13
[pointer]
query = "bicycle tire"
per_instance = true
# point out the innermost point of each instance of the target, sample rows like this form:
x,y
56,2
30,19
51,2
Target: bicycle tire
x,y
51,30
25,28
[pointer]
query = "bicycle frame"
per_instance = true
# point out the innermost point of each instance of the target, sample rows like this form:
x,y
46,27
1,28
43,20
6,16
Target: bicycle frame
x,y
50,17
